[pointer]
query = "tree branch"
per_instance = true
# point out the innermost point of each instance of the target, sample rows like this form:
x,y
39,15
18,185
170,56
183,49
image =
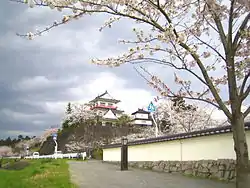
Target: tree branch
x,y
219,27
174,95
208,81
239,32
244,84
246,93
230,23
211,47
157,61
246,112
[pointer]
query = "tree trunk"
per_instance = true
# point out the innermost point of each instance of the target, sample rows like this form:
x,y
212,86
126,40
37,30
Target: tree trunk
x,y
241,150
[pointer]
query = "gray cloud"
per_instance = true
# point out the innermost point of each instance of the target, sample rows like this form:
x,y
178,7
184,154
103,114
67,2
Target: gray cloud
x,y
37,74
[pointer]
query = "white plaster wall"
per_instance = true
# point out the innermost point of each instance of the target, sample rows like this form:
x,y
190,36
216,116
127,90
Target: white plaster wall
x,y
142,116
112,154
139,122
207,147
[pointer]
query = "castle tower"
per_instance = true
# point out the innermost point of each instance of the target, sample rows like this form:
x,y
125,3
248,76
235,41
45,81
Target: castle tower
x,y
106,108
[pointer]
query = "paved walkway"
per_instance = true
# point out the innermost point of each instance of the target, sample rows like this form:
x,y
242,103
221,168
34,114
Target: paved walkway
x,y
95,174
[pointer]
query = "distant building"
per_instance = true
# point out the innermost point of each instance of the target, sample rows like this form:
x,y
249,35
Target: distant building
x,y
142,117
106,108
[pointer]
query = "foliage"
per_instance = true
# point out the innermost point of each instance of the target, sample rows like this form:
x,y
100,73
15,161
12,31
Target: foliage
x,y
11,142
97,154
123,120
40,173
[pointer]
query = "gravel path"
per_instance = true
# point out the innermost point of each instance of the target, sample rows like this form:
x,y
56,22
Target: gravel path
x,y
95,174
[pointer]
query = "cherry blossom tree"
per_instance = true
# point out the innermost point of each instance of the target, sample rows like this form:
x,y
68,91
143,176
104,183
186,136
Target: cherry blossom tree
x,y
173,119
79,113
203,38
5,151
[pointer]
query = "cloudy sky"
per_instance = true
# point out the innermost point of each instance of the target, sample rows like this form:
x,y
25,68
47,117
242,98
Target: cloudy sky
x,y
39,77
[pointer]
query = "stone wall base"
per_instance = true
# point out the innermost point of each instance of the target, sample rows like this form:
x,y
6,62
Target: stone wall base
x,y
223,169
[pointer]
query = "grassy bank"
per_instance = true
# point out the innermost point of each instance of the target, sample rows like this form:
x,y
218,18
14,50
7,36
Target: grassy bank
x,y
38,174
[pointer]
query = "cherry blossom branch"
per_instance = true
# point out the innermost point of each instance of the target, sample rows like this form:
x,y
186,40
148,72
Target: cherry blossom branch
x,y
219,27
172,94
240,30
67,18
208,81
205,43
163,62
203,70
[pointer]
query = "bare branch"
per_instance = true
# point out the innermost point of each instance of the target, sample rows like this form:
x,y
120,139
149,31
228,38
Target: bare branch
x,y
246,93
230,23
246,112
244,84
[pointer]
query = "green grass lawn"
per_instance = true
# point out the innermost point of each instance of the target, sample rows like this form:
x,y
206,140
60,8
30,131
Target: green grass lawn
x,y
42,173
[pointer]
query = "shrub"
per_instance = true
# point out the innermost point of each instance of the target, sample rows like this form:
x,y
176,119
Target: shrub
x,y
97,154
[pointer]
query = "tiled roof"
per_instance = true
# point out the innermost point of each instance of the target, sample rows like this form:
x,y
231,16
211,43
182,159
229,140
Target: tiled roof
x,y
206,132
141,111
108,99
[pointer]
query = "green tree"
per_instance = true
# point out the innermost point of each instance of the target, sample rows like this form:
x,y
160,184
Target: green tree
x,y
8,141
123,120
27,138
69,108
69,119
20,137
65,124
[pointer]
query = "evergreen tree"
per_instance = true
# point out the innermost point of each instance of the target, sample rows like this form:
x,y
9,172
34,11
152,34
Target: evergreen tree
x,y
20,137
69,109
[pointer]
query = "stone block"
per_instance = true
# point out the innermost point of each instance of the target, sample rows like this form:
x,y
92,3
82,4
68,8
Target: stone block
x,y
227,175
148,165
173,169
140,165
220,174
204,170
157,169
232,175
221,169
162,166
188,172
214,169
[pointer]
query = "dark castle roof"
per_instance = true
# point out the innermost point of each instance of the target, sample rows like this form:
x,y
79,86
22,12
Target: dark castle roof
x,y
140,111
102,98
206,132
